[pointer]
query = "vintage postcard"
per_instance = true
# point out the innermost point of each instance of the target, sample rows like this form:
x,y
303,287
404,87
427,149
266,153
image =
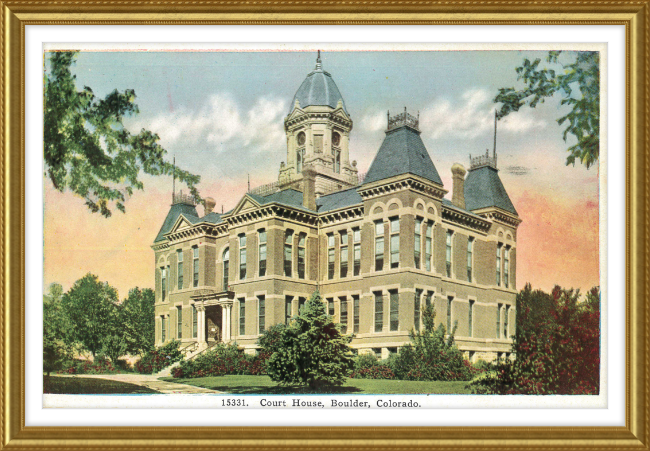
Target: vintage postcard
x,y
323,226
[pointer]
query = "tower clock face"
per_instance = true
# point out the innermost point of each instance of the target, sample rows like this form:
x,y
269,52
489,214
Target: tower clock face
x,y
301,138
336,139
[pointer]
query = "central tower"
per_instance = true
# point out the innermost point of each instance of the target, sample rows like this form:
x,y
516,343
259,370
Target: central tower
x,y
318,135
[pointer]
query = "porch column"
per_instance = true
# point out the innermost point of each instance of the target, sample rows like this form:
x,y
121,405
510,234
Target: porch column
x,y
201,331
224,320
228,321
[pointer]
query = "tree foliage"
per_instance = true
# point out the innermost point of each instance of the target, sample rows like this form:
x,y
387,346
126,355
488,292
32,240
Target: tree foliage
x,y
92,309
87,148
58,341
138,323
579,85
432,354
557,346
311,350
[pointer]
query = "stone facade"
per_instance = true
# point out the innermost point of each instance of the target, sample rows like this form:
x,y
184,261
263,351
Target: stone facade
x,y
377,250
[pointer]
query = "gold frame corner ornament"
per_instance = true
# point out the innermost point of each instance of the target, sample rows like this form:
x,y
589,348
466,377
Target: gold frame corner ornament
x,y
634,15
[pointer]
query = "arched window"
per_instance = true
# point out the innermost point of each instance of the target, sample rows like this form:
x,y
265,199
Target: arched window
x,y
226,265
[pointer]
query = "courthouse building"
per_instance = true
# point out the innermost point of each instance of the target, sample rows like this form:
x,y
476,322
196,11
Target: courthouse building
x,y
378,248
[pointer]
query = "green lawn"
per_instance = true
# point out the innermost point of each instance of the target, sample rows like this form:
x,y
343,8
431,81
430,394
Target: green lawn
x,y
89,386
264,385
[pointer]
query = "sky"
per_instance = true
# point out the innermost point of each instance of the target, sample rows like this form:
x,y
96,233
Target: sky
x,y
221,115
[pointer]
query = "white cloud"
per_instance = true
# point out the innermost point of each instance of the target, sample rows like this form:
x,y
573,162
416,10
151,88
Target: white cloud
x,y
374,122
471,116
221,122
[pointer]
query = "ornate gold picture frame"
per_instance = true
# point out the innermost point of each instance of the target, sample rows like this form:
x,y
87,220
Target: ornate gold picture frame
x,y
634,16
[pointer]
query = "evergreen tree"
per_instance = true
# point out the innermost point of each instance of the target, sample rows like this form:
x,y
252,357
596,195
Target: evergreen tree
x,y
311,350
58,343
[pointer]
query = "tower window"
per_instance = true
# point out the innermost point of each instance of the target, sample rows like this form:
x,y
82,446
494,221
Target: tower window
x,y
336,139
226,268
242,256
262,245
179,268
379,246
337,161
394,242
300,156
318,143
344,254
302,238
288,252
301,138
356,237
448,253
417,243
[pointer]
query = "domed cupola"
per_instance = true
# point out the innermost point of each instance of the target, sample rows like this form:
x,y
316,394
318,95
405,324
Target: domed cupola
x,y
318,89
318,133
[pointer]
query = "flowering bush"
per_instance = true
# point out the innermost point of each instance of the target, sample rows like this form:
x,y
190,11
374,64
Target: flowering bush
x,y
221,360
100,365
557,345
366,366
159,358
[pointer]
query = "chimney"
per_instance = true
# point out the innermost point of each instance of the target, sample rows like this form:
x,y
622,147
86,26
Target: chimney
x,y
458,176
309,188
209,204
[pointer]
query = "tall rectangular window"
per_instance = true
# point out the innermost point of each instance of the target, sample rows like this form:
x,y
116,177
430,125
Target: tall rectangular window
x,y
427,299
506,266
288,253
195,266
302,239
262,252
417,243
301,304
195,321
242,316
394,310
505,321
261,312
499,320
179,268
168,278
344,314
330,306
470,257
288,302
379,246
449,301
163,329
499,246
242,256
356,237
330,256
470,319
394,243
379,312
448,252
163,283
416,309
356,312
428,246
226,268
344,254
179,322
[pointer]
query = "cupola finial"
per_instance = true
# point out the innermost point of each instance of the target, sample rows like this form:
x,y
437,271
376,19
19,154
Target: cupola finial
x,y
319,66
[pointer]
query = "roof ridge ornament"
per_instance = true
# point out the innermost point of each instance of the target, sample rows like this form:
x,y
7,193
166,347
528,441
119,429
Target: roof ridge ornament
x,y
403,120
486,160
319,65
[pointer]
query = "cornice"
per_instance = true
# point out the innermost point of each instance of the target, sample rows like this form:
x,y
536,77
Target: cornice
x,y
404,182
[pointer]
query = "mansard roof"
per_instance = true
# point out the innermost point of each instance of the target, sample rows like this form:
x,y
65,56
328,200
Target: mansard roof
x,y
337,200
176,210
289,197
483,189
402,152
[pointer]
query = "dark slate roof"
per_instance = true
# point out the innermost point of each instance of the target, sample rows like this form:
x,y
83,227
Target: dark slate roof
x,y
402,152
339,199
483,188
318,89
212,218
447,203
188,211
289,197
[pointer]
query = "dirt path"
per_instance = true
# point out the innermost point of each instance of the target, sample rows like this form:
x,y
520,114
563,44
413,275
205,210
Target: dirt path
x,y
149,381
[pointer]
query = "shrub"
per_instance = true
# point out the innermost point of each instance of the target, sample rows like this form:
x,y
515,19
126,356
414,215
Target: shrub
x,y
221,360
557,345
311,350
366,366
100,365
431,356
159,358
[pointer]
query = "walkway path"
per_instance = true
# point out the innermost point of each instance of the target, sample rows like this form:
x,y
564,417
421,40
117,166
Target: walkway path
x,y
148,380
